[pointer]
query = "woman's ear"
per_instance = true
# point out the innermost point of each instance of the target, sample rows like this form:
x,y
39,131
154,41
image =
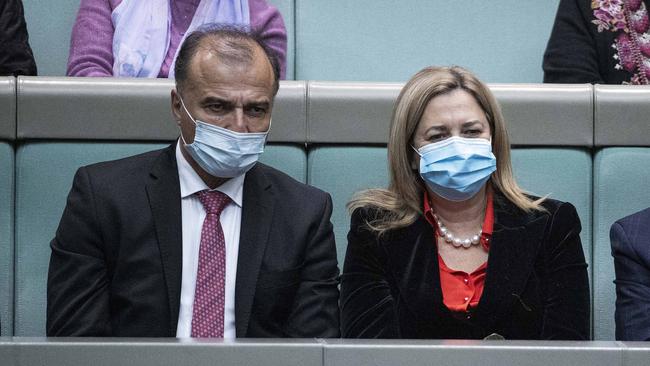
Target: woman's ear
x,y
415,161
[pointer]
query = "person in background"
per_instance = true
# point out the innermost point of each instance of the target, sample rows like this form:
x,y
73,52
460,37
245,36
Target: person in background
x,y
453,248
599,41
630,239
135,38
199,239
16,57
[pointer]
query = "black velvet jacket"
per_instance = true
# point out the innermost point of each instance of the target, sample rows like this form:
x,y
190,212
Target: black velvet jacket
x,y
536,285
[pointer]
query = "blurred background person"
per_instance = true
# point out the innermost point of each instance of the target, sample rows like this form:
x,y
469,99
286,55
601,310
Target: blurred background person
x,y
453,248
16,57
599,41
630,238
135,38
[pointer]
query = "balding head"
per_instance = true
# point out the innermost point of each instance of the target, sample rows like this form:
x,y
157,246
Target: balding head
x,y
233,46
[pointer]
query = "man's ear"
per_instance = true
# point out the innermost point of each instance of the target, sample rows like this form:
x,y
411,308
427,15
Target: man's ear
x,y
176,106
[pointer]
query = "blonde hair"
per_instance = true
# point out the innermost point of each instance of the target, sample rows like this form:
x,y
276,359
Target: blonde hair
x,y
400,204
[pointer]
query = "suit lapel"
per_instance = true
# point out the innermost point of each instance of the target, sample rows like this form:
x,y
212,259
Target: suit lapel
x,y
164,195
516,239
257,215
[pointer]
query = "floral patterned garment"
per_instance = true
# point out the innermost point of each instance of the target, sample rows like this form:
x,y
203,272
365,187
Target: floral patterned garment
x,y
629,20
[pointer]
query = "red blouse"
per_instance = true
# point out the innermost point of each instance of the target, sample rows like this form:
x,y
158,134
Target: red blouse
x,y
461,291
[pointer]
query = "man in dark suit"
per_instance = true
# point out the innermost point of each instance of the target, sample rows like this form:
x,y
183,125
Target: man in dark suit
x,y
198,240
630,237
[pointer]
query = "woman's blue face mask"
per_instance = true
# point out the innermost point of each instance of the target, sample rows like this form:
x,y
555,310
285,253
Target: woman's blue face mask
x,y
458,167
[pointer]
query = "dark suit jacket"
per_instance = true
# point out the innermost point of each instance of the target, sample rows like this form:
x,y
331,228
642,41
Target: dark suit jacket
x,y
630,237
536,285
115,268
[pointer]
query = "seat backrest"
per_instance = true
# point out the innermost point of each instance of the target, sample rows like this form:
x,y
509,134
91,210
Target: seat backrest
x,y
621,173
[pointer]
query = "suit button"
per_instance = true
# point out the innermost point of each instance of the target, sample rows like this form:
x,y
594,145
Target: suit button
x,y
466,299
466,281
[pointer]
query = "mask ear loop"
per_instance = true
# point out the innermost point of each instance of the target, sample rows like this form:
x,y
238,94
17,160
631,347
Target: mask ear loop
x,y
266,138
416,150
188,114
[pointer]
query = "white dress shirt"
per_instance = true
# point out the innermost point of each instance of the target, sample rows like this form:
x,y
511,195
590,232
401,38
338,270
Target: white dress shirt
x,y
193,214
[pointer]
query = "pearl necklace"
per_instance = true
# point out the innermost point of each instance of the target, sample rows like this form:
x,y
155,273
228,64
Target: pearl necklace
x,y
457,242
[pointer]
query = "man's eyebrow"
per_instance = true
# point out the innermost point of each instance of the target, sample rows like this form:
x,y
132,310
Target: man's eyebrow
x,y
213,99
258,103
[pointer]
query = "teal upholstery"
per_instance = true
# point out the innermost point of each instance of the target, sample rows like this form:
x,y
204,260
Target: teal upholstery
x,y
620,189
50,28
342,171
43,180
6,238
387,40
290,159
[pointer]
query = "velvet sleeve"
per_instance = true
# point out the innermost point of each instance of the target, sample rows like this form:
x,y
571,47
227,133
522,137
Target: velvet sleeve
x,y
571,53
16,56
566,283
91,45
78,300
632,287
367,304
268,21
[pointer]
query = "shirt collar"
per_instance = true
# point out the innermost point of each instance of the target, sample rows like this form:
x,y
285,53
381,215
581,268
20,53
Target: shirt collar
x,y
191,183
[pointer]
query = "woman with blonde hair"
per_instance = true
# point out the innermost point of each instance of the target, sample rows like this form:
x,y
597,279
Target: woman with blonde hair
x,y
453,248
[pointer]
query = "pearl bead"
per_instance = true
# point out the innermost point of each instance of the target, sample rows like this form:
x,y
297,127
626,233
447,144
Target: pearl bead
x,y
476,239
457,242
467,243
449,238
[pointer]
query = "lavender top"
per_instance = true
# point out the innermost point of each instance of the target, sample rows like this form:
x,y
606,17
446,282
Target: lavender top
x,y
91,46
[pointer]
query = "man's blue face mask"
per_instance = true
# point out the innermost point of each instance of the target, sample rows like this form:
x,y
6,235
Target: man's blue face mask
x,y
223,153
457,168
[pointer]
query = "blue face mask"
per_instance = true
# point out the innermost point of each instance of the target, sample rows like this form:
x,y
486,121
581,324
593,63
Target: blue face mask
x,y
457,168
223,153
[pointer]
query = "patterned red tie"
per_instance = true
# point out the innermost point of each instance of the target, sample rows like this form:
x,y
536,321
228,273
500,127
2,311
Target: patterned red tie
x,y
209,294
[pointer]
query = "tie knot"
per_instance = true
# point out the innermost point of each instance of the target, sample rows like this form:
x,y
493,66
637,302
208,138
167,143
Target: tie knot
x,y
213,201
